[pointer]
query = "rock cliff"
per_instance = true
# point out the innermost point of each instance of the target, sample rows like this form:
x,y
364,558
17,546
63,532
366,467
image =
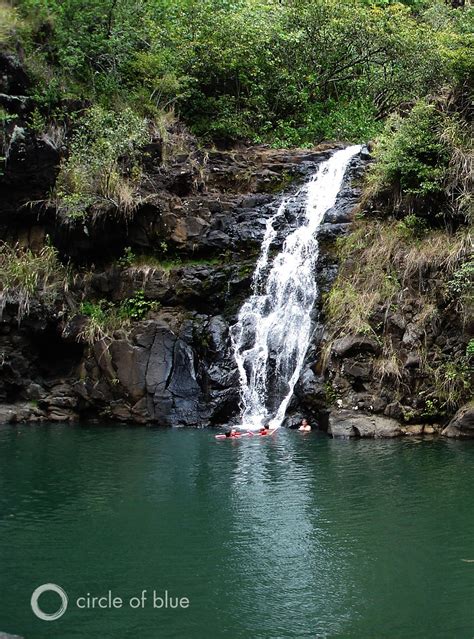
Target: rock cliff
x,y
180,261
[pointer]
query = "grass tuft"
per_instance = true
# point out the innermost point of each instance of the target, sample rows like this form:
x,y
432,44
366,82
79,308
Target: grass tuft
x,y
25,275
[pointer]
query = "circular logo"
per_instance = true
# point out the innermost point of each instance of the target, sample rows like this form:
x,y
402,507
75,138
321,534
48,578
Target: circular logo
x,y
37,594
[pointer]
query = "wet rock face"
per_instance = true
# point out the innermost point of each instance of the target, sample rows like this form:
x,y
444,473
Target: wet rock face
x,y
160,374
202,288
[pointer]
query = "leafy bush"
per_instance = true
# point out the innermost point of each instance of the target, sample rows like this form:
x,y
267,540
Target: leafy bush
x,y
137,307
470,349
412,227
128,258
282,72
424,160
462,282
102,169
461,288
410,155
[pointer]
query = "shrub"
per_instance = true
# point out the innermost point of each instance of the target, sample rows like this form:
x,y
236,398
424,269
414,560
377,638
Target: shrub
x,y
461,288
462,282
410,155
128,258
137,307
412,227
281,72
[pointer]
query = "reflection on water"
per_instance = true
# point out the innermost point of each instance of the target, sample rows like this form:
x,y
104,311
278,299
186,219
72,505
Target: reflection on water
x,y
288,536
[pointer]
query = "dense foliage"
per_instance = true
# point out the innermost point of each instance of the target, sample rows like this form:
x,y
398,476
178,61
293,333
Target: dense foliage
x,y
287,71
425,162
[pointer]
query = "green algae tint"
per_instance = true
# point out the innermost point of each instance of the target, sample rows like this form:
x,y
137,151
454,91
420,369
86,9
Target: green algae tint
x,y
291,536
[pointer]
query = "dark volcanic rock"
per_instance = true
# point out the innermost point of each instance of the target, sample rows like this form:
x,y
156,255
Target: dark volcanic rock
x,y
353,344
462,424
160,374
13,77
31,167
204,214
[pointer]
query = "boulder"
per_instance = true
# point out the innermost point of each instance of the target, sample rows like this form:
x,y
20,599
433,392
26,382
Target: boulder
x,y
413,360
412,335
353,344
30,160
394,410
415,429
358,370
462,424
347,423
19,412
8,414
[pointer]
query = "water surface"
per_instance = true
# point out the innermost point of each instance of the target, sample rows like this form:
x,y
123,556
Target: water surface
x,y
293,536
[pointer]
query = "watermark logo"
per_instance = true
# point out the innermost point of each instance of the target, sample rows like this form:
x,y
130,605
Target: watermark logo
x,y
35,605
157,600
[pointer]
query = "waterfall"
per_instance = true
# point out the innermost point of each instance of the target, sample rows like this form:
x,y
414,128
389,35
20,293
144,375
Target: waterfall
x,y
273,329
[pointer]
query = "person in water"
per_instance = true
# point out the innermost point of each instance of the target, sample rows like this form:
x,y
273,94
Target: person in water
x,y
264,430
305,427
232,433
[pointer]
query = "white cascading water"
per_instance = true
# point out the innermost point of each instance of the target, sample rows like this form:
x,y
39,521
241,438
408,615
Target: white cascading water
x,y
273,329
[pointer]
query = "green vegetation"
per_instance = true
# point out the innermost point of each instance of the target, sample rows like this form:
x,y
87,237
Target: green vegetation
x,y
25,275
388,266
425,161
9,22
102,169
165,263
412,226
108,76
105,318
330,393
470,349
461,287
451,383
283,71
382,265
410,153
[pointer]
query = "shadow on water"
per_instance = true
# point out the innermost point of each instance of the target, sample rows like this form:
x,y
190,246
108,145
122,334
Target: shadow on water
x,y
287,536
